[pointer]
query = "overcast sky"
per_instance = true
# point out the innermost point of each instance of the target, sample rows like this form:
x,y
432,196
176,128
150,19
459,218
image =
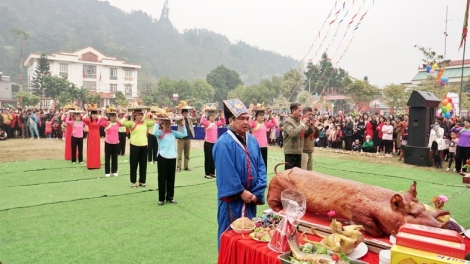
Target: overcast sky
x,y
382,47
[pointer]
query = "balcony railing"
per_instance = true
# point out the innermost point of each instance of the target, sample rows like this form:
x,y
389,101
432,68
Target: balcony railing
x,y
63,74
128,94
90,76
128,79
113,77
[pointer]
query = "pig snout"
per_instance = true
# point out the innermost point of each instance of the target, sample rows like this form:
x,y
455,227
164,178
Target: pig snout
x,y
419,215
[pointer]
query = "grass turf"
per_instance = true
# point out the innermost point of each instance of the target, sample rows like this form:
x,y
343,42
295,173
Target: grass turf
x,y
56,212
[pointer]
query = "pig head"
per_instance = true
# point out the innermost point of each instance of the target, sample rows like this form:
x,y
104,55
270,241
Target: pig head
x,y
379,210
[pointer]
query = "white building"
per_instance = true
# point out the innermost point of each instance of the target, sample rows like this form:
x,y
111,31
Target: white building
x,y
453,71
90,69
6,93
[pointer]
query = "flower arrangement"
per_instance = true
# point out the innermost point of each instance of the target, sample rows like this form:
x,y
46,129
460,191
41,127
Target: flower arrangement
x,y
466,165
267,220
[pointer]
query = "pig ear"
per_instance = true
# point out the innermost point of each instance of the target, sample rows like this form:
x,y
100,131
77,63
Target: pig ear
x,y
397,202
412,189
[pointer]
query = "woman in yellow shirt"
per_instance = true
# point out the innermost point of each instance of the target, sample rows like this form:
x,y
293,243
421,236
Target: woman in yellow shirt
x,y
138,146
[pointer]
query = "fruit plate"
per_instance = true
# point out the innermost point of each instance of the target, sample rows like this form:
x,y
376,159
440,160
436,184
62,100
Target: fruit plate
x,y
263,241
285,259
252,236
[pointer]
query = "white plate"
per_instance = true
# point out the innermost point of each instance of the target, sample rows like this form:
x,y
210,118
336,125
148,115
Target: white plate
x,y
467,233
359,252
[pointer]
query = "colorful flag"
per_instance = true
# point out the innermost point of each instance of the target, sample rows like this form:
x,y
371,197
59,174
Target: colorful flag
x,y
465,26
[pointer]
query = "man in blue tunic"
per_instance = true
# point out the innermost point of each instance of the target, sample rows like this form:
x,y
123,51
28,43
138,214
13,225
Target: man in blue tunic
x,y
241,174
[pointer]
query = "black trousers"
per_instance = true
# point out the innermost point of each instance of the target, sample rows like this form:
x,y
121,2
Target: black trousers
x,y
264,154
292,160
166,178
388,144
102,132
209,165
450,157
7,129
348,142
369,150
152,148
110,153
461,156
122,143
77,143
138,158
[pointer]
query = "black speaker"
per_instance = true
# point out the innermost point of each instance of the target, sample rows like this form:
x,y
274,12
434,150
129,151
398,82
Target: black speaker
x,y
419,125
423,99
417,155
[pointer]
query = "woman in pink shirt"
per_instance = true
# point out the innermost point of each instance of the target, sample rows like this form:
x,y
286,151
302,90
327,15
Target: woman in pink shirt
x,y
211,135
111,142
77,135
259,129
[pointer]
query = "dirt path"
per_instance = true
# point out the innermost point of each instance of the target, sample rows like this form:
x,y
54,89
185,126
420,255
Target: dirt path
x,y
34,149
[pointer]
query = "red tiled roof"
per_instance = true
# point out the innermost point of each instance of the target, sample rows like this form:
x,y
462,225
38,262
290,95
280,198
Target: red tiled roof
x,y
458,62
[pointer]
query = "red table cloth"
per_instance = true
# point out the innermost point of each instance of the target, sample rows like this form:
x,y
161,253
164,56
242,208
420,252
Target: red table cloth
x,y
234,249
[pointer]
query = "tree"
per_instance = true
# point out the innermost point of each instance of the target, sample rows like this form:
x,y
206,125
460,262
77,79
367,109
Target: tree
x,y
165,90
120,99
291,84
303,98
361,91
203,91
42,70
148,92
223,80
20,35
148,89
429,55
92,98
27,98
396,96
252,94
466,86
55,86
323,75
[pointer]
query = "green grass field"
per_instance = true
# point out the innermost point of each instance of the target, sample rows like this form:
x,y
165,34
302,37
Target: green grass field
x,y
56,212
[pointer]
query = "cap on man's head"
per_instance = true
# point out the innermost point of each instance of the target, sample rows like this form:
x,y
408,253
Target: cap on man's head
x,y
233,108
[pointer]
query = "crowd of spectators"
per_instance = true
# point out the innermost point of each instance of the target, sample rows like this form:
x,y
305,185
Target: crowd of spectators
x,y
372,133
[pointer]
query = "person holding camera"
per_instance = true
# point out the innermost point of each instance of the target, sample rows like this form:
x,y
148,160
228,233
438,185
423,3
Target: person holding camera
x,y
309,135
292,138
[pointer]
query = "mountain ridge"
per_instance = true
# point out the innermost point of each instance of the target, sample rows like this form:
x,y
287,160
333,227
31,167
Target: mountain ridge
x,y
135,37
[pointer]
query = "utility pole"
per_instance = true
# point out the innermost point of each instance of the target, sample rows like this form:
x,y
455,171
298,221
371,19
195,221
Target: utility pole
x,y
445,32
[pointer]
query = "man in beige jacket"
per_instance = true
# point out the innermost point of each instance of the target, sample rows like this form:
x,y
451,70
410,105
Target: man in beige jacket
x,y
184,144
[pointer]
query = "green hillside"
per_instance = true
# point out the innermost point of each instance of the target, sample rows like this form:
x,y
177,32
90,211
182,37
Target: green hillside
x,y
68,25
